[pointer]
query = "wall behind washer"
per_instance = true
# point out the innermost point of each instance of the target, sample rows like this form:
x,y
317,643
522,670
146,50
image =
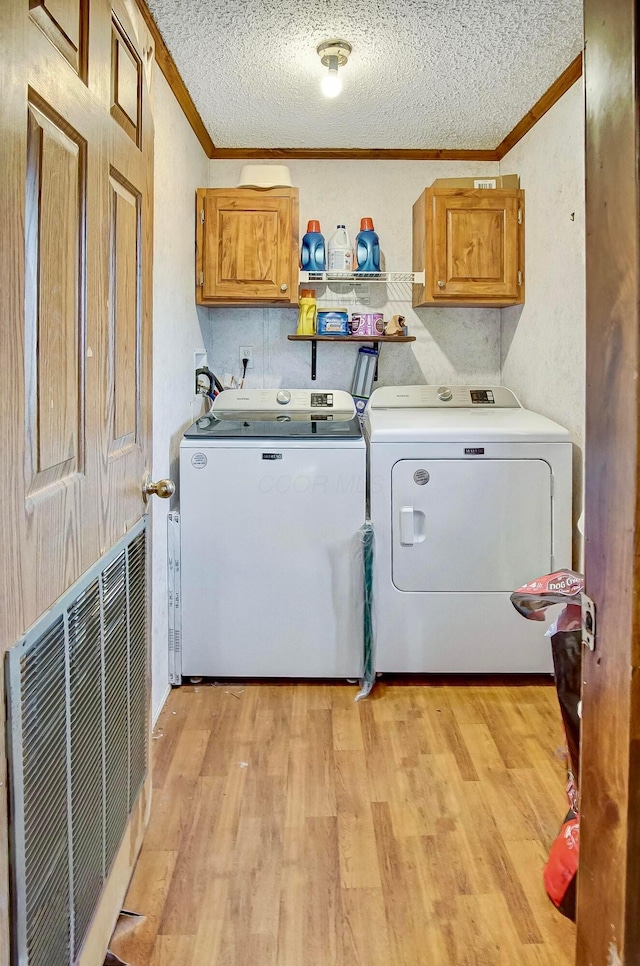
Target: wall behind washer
x,y
453,345
543,342
180,167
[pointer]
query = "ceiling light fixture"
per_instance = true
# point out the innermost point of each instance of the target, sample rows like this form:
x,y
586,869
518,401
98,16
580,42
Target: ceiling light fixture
x,y
333,54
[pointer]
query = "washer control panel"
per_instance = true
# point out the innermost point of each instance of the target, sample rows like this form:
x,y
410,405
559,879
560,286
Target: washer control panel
x,y
483,397
324,400
290,400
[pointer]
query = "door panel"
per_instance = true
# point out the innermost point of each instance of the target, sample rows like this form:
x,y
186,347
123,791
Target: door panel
x,y
469,255
54,298
125,303
126,82
248,246
65,23
467,525
476,244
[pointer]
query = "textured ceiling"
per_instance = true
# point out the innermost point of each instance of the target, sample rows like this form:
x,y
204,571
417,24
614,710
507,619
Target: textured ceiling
x,y
423,73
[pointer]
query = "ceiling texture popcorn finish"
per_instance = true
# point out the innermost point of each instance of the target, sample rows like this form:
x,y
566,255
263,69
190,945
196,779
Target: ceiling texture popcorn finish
x,y
455,74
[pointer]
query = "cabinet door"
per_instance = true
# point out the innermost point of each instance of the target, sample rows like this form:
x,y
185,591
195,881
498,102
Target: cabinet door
x,y
247,247
475,244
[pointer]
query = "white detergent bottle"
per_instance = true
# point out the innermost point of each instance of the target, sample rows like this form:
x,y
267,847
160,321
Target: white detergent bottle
x,y
339,251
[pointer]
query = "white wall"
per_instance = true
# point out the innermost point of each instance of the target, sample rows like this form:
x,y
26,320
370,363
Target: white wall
x,y
543,342
453,345
180,167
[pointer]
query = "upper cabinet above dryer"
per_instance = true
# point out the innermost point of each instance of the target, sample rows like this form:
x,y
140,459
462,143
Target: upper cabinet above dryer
x,y
470,245
247,246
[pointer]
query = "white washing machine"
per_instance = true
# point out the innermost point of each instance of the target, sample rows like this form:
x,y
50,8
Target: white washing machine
x,y
470,497
272,498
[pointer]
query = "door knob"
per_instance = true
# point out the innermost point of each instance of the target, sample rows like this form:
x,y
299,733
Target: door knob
x,y
440,284
163,488
283,287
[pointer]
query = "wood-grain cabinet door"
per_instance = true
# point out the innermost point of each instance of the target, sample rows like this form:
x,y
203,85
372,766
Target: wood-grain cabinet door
x,y
75,418
475,244
246,251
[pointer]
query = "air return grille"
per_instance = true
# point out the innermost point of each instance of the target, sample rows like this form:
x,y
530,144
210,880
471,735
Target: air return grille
x,y
77,687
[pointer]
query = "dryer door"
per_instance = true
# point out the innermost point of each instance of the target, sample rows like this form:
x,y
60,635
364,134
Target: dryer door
x,y
470,525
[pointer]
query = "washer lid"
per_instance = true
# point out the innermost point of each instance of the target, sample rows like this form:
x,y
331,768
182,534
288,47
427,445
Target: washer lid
x,y
313,426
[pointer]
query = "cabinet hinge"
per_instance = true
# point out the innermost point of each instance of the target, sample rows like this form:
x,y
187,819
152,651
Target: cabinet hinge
x,y
519,216
202,216
519,277
201,278
588,622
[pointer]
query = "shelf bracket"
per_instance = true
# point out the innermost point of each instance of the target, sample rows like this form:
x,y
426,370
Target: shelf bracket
x,y
314,359
377,348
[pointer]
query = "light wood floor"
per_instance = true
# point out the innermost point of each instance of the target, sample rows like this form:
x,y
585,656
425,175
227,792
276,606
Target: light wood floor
x,y
293,827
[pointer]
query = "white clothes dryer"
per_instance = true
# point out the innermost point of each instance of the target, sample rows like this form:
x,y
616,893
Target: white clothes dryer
x,y
470,497
272,498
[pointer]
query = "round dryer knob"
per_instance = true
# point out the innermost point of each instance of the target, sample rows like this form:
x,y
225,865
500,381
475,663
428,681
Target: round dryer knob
x,y
283,397
445,394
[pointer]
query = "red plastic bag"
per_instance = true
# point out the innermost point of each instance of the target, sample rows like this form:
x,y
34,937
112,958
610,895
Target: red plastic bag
x,y
561,870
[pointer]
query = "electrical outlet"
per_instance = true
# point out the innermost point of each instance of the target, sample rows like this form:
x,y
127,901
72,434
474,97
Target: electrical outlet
x,y
246,352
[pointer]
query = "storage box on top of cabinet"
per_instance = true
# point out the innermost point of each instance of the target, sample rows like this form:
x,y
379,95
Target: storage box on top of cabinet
x,y
470,245
247,246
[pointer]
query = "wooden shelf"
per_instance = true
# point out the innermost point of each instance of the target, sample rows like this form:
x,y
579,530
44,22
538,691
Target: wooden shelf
x,y
371,339
351,338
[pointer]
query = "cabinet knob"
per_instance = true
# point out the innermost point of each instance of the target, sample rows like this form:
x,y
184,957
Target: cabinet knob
x,y
283,287
440,284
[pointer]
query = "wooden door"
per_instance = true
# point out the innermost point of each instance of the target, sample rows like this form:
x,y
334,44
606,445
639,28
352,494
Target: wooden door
x,y
248,245
609,879
474,242
76,152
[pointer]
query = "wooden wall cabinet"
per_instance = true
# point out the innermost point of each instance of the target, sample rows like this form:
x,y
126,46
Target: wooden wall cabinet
x,y
247,246
470,244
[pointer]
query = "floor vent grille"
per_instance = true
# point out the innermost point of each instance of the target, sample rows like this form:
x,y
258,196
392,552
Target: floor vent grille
x,y
78,694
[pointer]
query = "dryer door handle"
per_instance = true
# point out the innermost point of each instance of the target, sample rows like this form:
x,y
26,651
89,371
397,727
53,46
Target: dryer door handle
x,y
412,526
407,535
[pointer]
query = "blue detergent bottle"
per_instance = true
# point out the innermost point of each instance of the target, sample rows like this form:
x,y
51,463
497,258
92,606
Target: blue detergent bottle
x,y
312,253
367,247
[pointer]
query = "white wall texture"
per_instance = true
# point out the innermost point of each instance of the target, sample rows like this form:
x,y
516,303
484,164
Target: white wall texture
x,y
180,167
453,345
543,341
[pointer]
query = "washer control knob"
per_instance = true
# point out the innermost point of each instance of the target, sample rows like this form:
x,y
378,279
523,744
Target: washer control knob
x,y
445,394
283,397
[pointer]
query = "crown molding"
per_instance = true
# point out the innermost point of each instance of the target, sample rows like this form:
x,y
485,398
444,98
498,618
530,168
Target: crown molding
x,y
171,73
359,154
550,97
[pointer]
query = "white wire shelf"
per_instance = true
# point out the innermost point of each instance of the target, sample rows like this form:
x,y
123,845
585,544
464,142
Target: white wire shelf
x,y
364,278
